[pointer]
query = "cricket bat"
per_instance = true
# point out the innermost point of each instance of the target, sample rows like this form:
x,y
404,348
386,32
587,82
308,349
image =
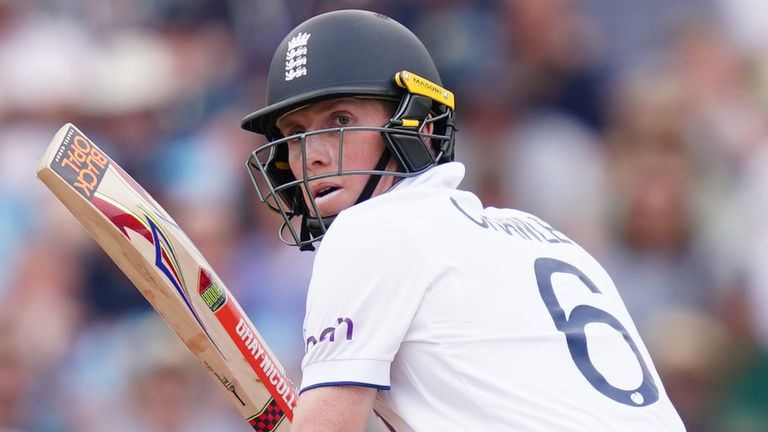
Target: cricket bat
x,y
156,255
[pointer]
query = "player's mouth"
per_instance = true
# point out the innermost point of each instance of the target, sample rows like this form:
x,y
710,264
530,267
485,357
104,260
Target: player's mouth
x,y
324,191
328,198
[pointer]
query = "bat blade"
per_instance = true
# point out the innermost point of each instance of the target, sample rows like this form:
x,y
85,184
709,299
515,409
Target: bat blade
x,y
166,267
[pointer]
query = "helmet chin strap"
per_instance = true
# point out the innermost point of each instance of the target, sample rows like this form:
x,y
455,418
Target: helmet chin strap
x,y
313,227
374,179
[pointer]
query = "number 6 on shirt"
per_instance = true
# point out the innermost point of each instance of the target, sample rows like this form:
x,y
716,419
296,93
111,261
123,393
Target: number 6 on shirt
x,y
573,327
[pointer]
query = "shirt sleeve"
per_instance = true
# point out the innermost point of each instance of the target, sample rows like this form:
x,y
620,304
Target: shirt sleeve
x,y
364,293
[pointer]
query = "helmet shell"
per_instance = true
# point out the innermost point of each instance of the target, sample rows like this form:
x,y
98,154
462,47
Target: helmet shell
x,y
346,52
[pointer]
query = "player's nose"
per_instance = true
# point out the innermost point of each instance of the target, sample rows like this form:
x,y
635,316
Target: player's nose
x,y
321,150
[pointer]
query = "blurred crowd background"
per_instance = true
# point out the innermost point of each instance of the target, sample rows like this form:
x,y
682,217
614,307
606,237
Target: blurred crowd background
x,y
638,127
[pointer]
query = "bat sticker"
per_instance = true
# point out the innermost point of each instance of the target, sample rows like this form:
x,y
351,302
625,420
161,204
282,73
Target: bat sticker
x,y
213,295
80,163
166,259
268,419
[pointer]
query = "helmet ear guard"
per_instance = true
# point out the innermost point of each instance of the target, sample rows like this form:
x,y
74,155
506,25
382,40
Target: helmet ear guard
x,y
422,99
409,150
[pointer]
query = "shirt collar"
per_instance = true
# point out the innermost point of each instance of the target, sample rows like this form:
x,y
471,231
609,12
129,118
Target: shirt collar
x,y
447,175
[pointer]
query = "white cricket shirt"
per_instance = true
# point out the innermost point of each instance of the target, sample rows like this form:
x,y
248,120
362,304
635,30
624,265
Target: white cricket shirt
x,y
475,319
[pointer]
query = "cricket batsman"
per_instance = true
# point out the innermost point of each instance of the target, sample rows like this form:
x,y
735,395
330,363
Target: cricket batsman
x,y
438,313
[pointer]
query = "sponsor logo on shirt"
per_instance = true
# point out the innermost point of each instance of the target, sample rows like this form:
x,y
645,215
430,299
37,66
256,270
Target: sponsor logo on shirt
x,y
329,333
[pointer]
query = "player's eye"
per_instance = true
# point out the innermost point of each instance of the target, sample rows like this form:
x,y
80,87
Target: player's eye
x,y
343,120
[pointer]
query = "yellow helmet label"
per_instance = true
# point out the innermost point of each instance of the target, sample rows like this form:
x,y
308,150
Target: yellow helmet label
x,y
424,87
